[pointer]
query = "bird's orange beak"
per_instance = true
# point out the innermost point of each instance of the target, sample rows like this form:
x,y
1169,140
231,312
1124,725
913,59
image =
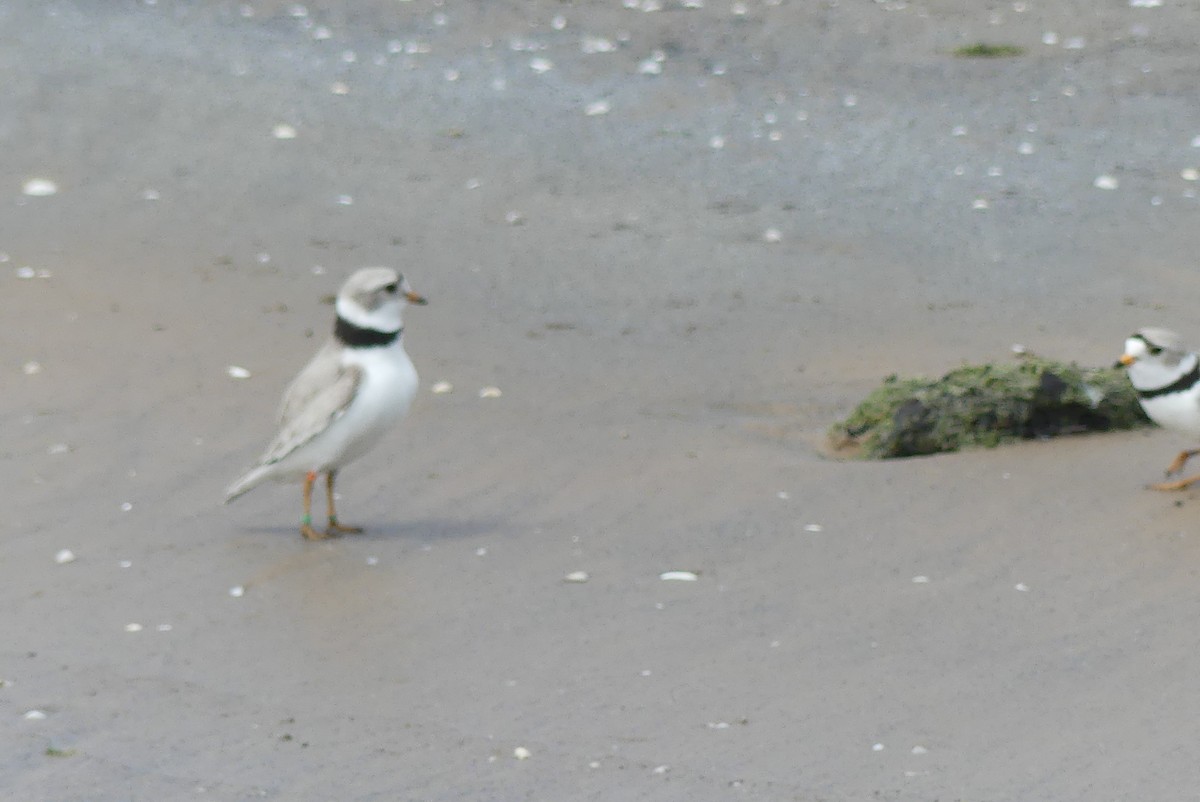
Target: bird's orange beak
x,y
413,298
1126,360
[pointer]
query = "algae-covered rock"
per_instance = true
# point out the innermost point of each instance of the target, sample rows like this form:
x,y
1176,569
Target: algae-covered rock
x,y
985,405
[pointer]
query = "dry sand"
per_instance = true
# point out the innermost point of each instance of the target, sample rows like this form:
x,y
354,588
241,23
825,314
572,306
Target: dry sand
x,y
667,374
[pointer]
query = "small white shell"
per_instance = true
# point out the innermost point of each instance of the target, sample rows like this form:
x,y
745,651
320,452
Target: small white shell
x,y
39,187
133,627
64,556
679,576
577,576
236,372
813,528
283,131
441,388
597,107
1106,182
237,591
521,753
490,392
34,715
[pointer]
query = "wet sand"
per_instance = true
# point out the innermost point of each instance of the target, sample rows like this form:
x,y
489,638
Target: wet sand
x,y
668,370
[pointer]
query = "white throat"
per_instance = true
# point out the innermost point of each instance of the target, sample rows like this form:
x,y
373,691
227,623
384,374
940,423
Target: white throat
x,y
386,318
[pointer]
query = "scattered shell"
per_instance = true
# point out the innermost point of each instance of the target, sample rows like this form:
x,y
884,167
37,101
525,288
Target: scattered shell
x,y
339,88
959,130
1189,174
149,194
283,131
772,235
473,183
481,551
718,725
850,101
591,45
441,388
125,563
39,187
236,372
979,203
372,561
64,556
26,272
559,22
1050,38
126,506
237,591
783,494
1145,3
679,576
31,367
58,448
514,218
1075,43
813,528
650,67
1022,587
541,65
920,580
597,107
877,748
133,627
521,753
321,33
345,200
451,74
716,142
995,172
663,769
34,715
1018,349
490,392
920,750
1105,182
1025,148
577,576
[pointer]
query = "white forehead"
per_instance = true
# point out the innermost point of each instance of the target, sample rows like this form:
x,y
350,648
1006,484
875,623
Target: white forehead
x,y
1136,346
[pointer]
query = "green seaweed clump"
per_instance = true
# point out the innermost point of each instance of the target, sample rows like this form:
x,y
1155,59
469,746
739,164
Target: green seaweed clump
x,y
984,50
985,405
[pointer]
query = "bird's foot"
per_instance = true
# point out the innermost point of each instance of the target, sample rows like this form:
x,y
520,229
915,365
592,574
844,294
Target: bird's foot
x,y
336,529
315,534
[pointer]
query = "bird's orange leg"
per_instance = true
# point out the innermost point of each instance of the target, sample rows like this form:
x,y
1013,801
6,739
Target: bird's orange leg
x,y
1178,484
1180,461
336,528
306,528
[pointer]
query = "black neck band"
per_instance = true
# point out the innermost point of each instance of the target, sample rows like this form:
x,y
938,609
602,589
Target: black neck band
x,y
357,337
1182,383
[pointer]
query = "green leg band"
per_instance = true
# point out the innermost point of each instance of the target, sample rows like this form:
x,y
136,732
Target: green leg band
x,y
306,520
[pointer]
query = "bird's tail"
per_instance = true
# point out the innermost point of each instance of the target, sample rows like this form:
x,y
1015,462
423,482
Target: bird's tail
x,y
251,480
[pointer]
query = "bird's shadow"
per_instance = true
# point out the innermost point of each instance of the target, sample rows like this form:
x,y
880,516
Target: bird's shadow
x,y
421,529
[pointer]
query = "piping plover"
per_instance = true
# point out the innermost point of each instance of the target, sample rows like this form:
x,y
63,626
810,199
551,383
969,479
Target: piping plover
x,y
1166,376
358,384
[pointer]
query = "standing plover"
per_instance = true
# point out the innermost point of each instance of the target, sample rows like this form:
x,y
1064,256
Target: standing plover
x,y
1166,375
358,384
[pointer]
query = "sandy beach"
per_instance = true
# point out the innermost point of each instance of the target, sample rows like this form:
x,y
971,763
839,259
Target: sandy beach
x,y
682,239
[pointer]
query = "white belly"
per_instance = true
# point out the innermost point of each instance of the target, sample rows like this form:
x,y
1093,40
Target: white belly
x,y
385,393
1179,411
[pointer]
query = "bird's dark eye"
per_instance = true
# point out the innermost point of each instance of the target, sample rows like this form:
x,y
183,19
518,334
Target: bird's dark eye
x,y
1155,350
391,288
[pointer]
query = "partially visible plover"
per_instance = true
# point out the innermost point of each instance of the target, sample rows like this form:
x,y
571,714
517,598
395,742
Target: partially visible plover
x,y
358,384
1166,375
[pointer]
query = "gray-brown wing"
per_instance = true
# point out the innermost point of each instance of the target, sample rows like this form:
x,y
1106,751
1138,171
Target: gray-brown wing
x,y
305,415
320,372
